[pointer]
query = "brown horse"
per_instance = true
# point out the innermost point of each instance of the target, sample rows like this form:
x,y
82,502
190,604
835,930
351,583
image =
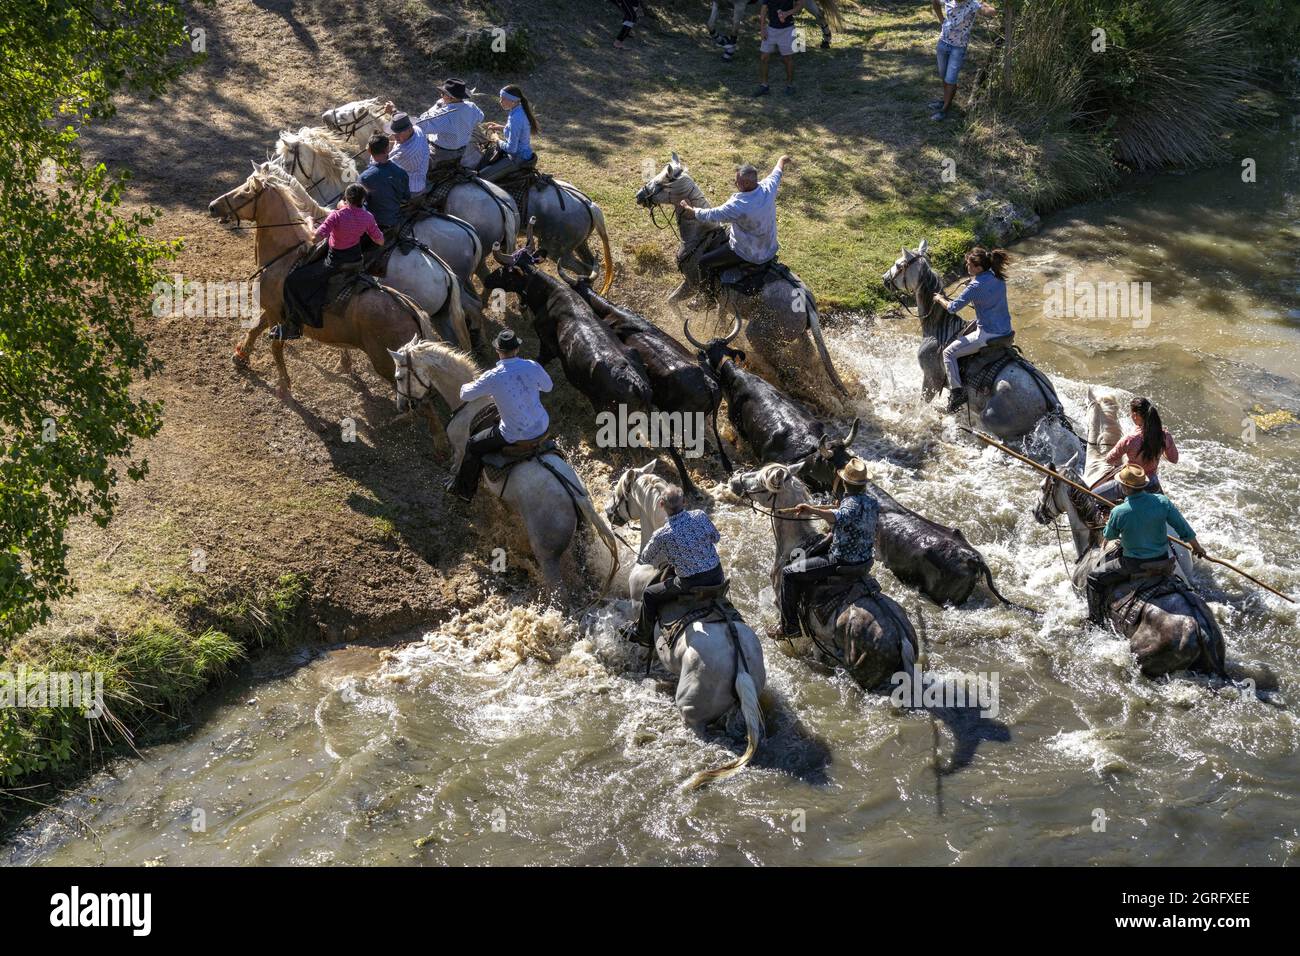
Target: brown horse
x,y
372,320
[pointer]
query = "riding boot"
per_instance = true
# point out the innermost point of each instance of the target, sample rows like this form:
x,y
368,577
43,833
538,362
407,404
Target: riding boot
x,y
1096,610
956,398
286,331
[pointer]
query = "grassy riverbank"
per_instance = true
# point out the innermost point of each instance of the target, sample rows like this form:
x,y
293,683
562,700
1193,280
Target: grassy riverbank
x,y
261,524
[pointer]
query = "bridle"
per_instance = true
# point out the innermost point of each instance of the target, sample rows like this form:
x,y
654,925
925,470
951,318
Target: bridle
x,y
901,295
670,213
412,402
355,124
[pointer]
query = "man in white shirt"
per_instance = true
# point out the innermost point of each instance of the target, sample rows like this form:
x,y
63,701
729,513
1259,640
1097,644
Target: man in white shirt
x,y
750,216
411,152
450,124
515,385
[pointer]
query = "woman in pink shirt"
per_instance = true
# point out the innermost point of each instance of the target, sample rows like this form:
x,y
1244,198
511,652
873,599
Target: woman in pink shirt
x,y
305,287
1144,447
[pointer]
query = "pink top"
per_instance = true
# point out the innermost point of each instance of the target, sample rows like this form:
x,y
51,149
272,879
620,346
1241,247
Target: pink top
x,y
346,226
1132,448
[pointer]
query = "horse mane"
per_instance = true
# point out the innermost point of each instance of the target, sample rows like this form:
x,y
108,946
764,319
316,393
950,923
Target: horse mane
x,y
319,140
446,359
938,321
298,196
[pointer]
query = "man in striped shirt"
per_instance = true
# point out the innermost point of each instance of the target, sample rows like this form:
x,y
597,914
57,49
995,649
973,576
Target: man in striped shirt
x,y
411,152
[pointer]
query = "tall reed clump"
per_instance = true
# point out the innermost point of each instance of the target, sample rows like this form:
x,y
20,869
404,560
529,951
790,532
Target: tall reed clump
x,y
1099,82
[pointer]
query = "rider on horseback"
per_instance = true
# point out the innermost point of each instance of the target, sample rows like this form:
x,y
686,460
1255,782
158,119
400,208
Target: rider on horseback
x,y
513,149
387,185
515,385
1139,522
852,543
750,215
411,152
1144,447
987,291
305,286
449,126
685,544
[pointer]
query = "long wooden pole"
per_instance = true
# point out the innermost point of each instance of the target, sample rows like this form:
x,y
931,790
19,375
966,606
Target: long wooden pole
x,y
989,439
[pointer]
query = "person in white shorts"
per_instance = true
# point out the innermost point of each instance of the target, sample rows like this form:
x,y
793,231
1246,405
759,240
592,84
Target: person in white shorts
x,y
777,34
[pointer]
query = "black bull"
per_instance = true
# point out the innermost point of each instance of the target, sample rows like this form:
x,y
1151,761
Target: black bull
x,y
595,362
933,558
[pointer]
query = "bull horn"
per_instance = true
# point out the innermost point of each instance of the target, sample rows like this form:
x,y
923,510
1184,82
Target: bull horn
x,y
853,432
559,269
529,242
735,330
686,327
500,256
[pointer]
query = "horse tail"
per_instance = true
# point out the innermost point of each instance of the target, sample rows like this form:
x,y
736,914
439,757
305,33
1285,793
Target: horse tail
x,y
815,327
988,578
747,694
831,10
598,220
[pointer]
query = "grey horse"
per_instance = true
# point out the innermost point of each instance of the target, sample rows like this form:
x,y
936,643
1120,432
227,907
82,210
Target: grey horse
x,y
567,218
1010,402
739,8
775,319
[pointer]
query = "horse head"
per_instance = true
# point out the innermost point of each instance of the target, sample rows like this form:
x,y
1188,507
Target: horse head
x,y
350,118
771,486
240,203
412,388
716,351
904,276
1054,495
664,188
619,510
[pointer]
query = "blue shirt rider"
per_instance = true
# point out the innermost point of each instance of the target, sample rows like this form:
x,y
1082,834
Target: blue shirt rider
x,y
987,291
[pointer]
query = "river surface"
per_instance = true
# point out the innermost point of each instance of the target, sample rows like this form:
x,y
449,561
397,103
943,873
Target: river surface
x,y
516,735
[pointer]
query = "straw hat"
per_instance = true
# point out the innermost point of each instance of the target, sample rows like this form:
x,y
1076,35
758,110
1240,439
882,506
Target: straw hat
x,y
854,472
1132,476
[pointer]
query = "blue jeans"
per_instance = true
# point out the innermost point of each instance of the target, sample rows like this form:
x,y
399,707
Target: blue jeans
x,y
950,60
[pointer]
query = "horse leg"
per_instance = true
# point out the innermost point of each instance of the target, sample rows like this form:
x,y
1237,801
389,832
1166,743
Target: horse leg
x,y
245,348
282,389
345,362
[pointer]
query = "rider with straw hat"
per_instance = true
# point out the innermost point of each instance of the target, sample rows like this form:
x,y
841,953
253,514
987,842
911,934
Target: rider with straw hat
x,y
852,542
1139,522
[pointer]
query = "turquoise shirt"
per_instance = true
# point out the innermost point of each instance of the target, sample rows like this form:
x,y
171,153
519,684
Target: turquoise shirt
x,y
1139,522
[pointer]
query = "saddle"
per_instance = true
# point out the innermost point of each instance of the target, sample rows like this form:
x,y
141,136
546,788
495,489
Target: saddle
x,y
980,370
502,461
708,605
448,177
519,184
847,586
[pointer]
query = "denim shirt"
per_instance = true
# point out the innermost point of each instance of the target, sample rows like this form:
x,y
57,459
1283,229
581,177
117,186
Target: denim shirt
x,y
518,135
988,294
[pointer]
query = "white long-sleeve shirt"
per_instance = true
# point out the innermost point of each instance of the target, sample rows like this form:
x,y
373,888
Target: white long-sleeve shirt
x,y
451,126
750,219
413,156
515,385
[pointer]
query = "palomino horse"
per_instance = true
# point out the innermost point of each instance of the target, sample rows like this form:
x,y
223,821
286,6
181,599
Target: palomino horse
x,y
325,167
373,320
739,8
870,637
715,672
1169,627
775,319
566,216
545,492
1014,400
452,240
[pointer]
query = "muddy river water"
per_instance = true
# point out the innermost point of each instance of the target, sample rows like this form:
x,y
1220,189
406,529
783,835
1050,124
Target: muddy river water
x,y
516,735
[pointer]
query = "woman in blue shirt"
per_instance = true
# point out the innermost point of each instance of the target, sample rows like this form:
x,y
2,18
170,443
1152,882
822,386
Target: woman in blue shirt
x,y
987,291
514,148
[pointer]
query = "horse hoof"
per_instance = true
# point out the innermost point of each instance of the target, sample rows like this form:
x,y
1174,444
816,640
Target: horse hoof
x,y
239,358
282,393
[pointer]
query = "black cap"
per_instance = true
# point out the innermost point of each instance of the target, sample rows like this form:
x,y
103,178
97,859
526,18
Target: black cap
x,y
456,88
400,123
507,341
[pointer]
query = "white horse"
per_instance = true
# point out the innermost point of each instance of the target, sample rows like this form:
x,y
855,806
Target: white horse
x,y
535,489
567,218
715,673
319,159
739,8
